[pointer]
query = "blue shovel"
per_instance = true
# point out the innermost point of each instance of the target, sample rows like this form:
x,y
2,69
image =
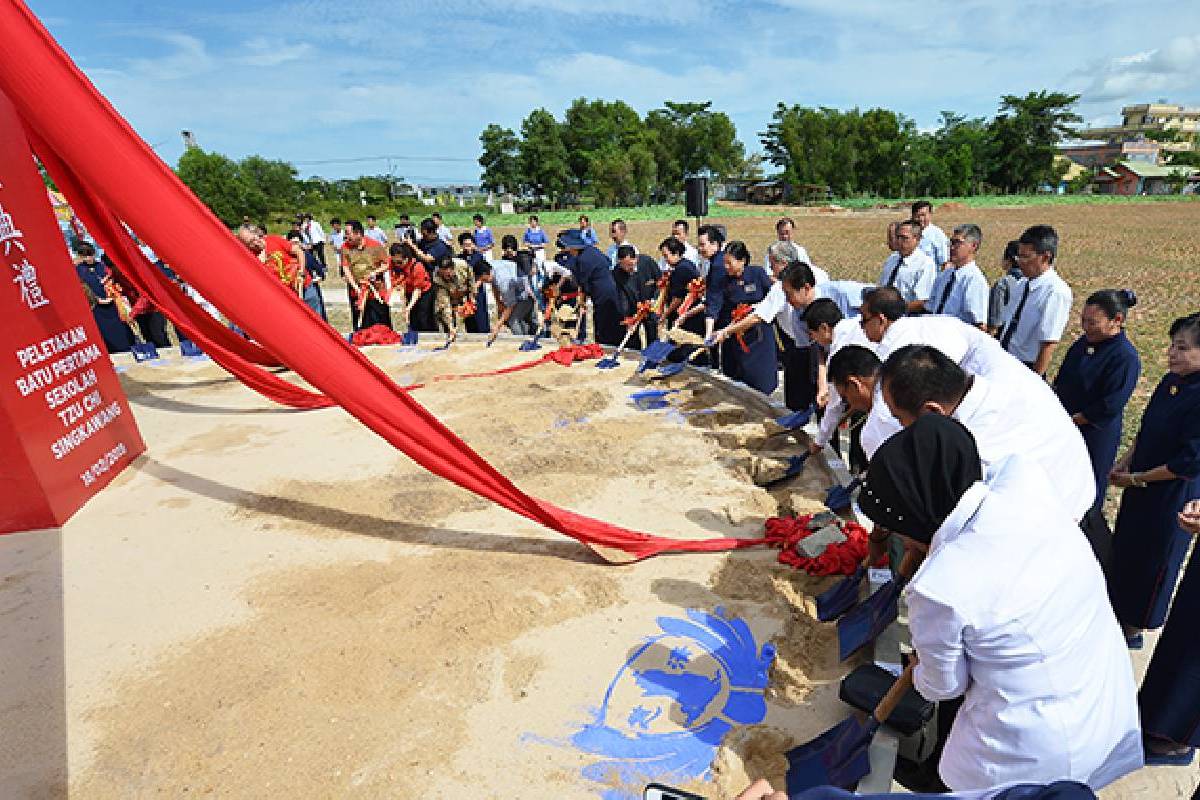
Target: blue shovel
x,y
840,497
653,355
839,757
651,399
841,597
797,419
794,468
410,337
668,370
863,624
144,351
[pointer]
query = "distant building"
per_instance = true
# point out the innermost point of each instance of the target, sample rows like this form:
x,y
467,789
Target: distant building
x,y
1131,177
1099,154
1138,120
460,193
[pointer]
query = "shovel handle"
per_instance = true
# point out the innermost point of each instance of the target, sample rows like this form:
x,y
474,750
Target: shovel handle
x,y
909,564
897,691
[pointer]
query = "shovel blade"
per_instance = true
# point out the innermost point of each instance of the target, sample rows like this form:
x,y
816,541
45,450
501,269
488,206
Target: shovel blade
x,y
797,419
531,344
657,351
862,625
608,362
410,337
838,757
668,370
841,597
840,497
189,348
794,468
144,351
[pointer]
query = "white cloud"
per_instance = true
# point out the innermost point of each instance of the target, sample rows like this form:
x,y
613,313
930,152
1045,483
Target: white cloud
x,y
263,52
1169,70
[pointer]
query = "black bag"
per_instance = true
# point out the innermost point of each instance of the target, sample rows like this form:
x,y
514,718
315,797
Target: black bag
x,y
865,687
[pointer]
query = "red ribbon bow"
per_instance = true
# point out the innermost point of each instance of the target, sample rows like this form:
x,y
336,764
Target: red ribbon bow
x,y
643,308
695,289
740,313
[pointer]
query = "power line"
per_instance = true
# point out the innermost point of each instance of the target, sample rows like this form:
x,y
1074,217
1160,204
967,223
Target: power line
x,y
386,158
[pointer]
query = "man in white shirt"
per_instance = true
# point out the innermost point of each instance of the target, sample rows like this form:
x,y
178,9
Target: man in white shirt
x,y
961,290
443,230
336,237
1040,305
786,300
908,270
933,239
312,237
785,230
780,254
679,229
375,232
619,232
831,335
1009,611
1008,410
851,374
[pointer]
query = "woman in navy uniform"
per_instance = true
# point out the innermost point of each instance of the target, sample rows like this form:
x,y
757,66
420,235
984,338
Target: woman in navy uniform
x,y
592,272
1097,377
1159,473
683,272
1170,695
738,283
117,335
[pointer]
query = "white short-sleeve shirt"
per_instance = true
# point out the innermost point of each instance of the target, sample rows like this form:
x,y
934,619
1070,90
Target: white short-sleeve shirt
x,y
935,244
968,294
914,278
1043,317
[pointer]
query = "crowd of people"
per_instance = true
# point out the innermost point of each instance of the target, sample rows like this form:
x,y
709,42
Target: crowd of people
x,y
991,471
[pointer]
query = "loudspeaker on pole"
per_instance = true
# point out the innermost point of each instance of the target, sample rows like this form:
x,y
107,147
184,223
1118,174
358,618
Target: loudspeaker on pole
x,y
696,196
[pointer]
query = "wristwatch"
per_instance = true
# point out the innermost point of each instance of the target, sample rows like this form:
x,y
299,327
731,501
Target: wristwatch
x,y
1137,480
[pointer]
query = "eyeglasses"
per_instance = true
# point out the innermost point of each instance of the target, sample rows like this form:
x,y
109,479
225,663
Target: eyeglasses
x,y
865,319
957,242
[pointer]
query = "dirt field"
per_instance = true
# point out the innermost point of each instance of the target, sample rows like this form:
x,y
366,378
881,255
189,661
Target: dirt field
x,y
278,604
274,603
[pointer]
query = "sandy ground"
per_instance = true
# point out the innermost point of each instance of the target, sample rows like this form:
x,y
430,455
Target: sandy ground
x,y
277,604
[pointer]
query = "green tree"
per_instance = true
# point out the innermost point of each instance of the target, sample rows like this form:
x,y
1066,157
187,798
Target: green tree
x,y
275,179
1024,136
542,156
220,185
591,130
692,139
500,162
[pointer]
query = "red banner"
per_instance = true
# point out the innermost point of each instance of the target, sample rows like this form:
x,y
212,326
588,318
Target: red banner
x,y
65,427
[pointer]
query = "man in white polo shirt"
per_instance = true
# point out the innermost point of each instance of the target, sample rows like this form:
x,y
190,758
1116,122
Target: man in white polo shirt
x,y
1040,305
933,239
961,290
908,270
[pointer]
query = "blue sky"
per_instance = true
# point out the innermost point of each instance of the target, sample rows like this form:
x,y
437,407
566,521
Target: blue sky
x,y
321,81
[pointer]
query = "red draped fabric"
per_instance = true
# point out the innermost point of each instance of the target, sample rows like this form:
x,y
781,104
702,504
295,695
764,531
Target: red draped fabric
x,y
111,174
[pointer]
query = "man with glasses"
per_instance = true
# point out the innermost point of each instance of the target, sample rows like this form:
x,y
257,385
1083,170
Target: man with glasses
x,y
908,270
1040,305
961,290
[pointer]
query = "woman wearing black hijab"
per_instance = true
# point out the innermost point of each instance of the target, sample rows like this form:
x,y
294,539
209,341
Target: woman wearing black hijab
x,y
1009,611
